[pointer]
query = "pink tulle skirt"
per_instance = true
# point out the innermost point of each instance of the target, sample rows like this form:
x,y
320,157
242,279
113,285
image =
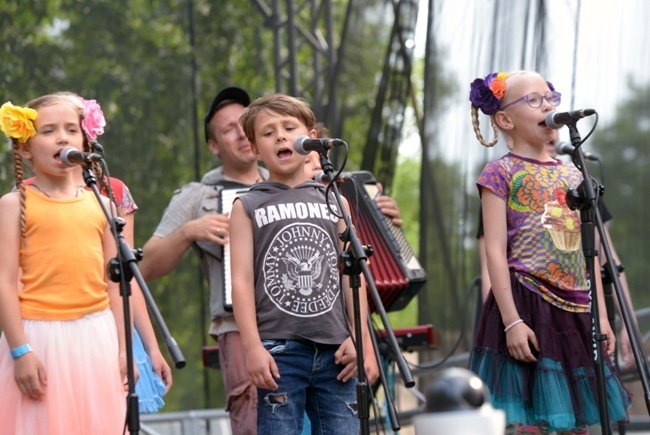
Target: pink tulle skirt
x,y
84,392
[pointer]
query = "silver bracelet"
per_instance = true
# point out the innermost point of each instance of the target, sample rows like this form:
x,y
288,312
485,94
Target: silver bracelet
x,y
512,325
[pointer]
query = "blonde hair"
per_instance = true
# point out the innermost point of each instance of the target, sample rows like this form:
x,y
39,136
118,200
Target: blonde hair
x,y
278,103
495,128
75,102
477,129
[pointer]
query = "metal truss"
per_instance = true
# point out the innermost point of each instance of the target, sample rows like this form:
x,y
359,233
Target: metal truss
x,y
385,132
304,52
305,62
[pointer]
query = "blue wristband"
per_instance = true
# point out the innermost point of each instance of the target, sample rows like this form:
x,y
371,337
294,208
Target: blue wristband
x,y
21,350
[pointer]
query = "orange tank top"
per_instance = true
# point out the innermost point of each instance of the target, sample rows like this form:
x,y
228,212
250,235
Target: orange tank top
x,y
63,261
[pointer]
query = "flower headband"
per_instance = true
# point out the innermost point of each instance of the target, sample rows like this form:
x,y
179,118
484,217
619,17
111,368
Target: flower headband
x,y
486,93
93,122
17,122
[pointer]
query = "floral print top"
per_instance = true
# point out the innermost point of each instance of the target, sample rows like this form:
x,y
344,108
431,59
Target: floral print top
x,y
544,249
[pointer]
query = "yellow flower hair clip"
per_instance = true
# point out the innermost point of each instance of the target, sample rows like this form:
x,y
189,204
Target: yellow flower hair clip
x,y
17,122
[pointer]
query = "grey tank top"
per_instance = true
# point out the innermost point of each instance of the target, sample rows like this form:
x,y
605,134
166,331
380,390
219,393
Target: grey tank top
x,y
296,246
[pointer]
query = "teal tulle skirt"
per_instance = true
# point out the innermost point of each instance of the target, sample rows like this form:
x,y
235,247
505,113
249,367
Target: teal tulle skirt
x,y
150,388
559,391
551,403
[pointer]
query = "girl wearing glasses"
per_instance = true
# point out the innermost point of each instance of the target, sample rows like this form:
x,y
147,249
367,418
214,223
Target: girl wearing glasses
x,y
534,342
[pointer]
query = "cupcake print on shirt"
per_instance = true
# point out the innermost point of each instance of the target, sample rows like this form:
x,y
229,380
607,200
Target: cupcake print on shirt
x,y
562,223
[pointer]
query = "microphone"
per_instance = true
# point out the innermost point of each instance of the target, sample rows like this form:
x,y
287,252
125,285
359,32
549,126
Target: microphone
x,y
322,177
71,156
565,148
555,119
304,144
96,146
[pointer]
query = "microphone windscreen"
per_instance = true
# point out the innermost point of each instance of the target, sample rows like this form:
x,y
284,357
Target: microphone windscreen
x,y
321,177
564,148
550,120
299,145
64,156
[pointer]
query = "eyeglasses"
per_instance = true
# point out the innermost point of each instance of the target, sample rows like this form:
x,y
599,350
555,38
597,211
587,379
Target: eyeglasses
x,y
535,99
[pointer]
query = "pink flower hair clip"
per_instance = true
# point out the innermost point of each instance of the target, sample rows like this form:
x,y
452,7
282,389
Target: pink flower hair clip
x,y
93,122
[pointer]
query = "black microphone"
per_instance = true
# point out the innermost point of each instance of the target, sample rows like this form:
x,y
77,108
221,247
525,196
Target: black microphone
x,y
322,177
555,119
96,146
304,144
565,148
71,156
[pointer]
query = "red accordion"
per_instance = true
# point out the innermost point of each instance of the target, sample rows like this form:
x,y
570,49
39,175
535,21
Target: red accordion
x,y
396,270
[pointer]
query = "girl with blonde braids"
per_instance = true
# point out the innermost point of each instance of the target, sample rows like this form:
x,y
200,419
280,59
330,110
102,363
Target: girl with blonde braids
x,y
533,346
155,377
62,353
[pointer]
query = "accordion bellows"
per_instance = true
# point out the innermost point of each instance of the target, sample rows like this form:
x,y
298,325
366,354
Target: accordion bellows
x,y
396,271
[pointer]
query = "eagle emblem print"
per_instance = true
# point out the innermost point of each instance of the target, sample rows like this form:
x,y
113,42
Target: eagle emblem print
x,y
301,270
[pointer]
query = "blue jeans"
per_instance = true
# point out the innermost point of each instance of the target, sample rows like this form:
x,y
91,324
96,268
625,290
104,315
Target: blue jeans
x,y
307,383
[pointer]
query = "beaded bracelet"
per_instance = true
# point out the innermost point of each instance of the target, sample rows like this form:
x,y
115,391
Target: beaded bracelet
x,y
512,325
21,350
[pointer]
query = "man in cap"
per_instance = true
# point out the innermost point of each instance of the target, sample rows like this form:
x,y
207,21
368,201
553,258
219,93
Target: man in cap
x,y
192,219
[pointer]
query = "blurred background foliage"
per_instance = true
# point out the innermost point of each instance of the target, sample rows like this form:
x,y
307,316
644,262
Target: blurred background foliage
x,y
154,81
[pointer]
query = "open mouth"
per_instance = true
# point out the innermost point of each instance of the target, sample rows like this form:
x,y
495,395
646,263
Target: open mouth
x,y
284,153
57,156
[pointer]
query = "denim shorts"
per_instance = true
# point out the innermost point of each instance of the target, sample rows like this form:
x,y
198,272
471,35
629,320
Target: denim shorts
x,y
307,383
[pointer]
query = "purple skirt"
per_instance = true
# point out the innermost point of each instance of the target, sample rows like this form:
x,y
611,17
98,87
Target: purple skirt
x,y
559,391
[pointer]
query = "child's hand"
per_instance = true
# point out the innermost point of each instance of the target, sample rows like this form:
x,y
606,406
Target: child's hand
x,y
370,360
124,374
262,369
346,355
606,329
30,376
370,366
519,340
162,369
625,350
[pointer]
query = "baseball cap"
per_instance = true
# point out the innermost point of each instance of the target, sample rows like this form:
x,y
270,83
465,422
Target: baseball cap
x,y
234,93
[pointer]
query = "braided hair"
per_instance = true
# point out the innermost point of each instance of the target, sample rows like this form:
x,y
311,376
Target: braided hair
x,y
43,101
487,94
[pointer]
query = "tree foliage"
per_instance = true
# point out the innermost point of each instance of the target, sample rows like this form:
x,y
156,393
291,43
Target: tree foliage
x,y
154,82
625,144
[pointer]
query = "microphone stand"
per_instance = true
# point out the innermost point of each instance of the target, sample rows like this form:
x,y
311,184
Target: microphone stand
x,y
584,199
611,279
611,315
354,263
122,269
390,406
